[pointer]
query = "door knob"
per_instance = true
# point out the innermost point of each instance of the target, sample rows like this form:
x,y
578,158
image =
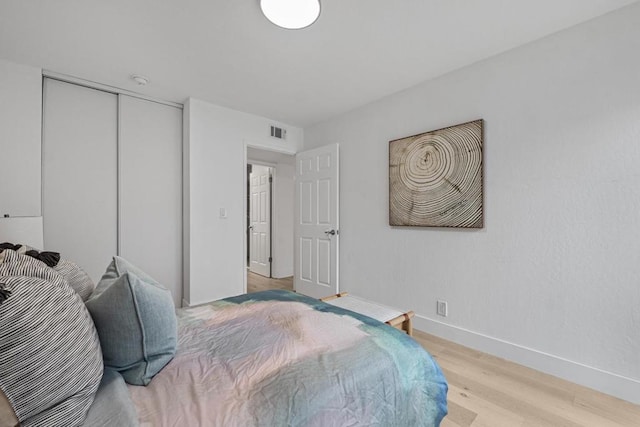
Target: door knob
x,y
330,232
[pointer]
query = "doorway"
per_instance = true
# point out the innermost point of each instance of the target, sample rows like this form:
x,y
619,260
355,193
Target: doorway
x,y
269,220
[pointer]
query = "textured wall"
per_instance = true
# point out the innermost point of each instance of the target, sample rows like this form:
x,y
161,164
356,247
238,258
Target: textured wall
x,y
556,270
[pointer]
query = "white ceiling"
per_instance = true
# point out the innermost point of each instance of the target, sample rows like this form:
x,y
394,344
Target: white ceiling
x,y
226,52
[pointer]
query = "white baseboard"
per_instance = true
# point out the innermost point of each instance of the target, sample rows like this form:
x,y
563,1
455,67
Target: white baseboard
x,y
606,382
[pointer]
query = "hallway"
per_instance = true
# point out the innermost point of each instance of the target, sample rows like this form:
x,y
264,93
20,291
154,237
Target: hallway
x,y
257,283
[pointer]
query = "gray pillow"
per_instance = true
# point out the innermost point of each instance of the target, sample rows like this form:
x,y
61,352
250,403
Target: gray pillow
x,y
136,322
117,268
77,278
113,405
50,359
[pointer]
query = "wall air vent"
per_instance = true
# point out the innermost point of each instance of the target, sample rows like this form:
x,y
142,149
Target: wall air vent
x,y
279,133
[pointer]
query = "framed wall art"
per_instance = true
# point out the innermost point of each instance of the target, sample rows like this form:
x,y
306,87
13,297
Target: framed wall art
x,y
436,178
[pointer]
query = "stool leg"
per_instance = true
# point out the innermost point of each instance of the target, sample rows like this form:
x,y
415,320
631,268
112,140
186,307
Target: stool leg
x,y
407,325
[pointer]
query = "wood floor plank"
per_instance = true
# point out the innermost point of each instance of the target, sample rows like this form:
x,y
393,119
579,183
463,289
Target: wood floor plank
x,y
510,400
257,283
460,415
619,411
503,393
448,422
559,403
487,413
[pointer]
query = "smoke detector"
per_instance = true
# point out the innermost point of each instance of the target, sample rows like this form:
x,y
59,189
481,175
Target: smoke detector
x,y
140,80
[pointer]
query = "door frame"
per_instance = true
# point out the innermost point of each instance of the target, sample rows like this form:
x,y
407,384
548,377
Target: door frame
x,y
245,162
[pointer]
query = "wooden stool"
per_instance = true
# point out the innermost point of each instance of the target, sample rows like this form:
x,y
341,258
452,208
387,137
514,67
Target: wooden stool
x,y
397,319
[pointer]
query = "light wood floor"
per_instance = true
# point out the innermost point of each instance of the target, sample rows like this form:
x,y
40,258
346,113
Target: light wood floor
x,y
491,392
256,283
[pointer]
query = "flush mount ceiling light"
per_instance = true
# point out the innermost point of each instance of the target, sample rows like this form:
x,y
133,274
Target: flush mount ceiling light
x,y
291,14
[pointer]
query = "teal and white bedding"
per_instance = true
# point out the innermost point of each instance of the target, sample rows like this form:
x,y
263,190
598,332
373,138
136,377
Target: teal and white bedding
x,y
277,358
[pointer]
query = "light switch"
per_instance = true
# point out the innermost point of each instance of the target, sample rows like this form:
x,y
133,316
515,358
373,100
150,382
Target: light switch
x,y
223,213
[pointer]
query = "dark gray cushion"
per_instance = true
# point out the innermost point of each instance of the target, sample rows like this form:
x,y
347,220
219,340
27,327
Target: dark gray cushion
x,y
50,358
112,405
136,322
75,276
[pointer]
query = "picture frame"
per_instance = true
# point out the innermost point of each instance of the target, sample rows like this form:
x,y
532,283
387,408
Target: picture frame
x,y
436,178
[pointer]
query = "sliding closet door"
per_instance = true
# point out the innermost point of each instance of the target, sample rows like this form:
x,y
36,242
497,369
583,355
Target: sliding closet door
x,y
150,190
79,174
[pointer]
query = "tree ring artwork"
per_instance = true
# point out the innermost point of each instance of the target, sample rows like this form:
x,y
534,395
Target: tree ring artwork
x,y
435,178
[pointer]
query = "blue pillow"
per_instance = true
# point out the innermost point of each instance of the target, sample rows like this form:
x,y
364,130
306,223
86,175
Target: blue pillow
x,y
136,322
117,268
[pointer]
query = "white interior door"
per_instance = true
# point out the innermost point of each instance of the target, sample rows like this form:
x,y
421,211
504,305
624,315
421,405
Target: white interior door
x,y
260,216
316,233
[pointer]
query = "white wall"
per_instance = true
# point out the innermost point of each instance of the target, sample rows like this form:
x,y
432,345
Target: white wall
x,y
20,134
215,140
553,280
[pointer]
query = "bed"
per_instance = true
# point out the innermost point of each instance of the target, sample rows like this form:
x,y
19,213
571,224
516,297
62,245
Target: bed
x,y
276,358
273,358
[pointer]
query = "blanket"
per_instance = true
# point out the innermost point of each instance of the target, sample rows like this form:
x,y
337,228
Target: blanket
x,y
277,358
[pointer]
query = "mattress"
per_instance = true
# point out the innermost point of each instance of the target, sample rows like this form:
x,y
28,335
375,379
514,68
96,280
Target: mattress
x,y
276,358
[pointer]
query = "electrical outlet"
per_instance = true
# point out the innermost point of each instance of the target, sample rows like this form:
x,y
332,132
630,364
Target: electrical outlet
x,y
442,309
